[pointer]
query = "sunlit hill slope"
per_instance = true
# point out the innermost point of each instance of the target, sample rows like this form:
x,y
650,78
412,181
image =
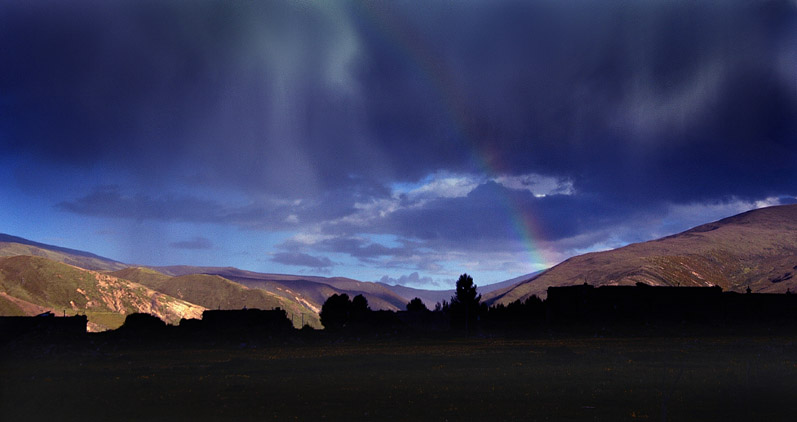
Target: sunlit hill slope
x,y
30,285
756,249
216,292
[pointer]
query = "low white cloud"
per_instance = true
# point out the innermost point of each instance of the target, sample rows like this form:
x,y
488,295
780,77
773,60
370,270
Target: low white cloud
x,y
445,185
412,279
537,184
768,202
309,238
450,185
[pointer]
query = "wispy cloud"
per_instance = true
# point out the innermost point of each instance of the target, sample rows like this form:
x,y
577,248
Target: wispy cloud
x,y
412,279
299,259
193,244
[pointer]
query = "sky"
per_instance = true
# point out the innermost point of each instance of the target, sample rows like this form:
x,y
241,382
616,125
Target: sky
x,y
397,141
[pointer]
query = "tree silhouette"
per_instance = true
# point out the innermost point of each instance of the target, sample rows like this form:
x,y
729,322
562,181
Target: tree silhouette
x,y
143,321
335,312
416,305
359,309
339,312
464,307
359,303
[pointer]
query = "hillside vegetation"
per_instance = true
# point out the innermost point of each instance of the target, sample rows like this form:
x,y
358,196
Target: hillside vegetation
x,y
756,249
30,285
142,275
216,292
308,290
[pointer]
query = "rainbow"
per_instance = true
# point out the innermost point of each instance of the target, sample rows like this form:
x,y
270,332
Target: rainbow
x,y
434,72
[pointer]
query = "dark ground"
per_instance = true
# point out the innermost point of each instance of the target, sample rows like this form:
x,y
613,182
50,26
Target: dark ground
x,y
557,379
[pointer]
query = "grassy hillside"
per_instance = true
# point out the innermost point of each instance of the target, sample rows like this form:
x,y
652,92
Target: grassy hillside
x,y
30,285
142,275
309,290
9,307
215,292
756,249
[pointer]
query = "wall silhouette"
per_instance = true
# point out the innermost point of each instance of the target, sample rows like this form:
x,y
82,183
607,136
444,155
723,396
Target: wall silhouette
x,y
45,325
642,304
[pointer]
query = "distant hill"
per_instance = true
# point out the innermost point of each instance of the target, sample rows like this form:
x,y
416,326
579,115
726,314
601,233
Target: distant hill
x,y
756,249
309,290
296,294
300,296
428,297
431,297
216,292
228,287
30,285
14,246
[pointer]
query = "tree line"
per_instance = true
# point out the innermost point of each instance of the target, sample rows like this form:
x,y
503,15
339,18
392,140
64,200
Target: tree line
x,y
594,310
464,311
607,309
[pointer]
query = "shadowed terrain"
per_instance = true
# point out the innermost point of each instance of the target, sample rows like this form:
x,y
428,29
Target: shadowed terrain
x,y
574,379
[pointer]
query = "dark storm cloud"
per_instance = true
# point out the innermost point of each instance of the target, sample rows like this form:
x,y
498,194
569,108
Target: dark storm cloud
x,y
193,244
651,100
321,106
490,219
109,201
642,101
302,260
362,249
494,213
112,202
227,93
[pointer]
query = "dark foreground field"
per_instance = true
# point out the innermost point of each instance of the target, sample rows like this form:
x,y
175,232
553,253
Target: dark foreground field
x,y
677,379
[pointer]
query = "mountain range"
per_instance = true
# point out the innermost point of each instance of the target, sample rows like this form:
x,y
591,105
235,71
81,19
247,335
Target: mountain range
x,y
37,277
755,250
